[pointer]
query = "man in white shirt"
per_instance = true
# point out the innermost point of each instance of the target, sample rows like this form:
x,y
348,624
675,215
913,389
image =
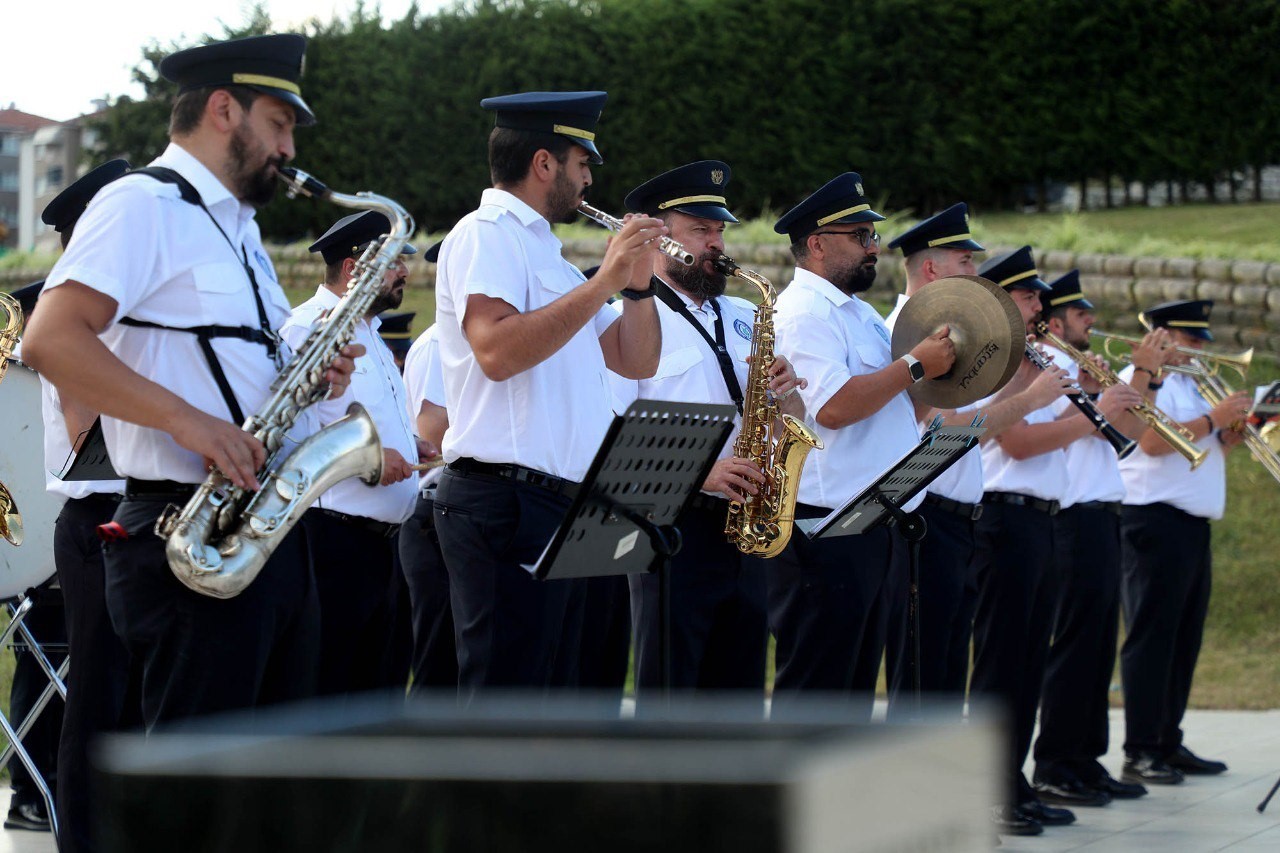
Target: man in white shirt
x,y
825,604
526,345
1074,706
169,269
351,529
1024,472
1167,559
718,624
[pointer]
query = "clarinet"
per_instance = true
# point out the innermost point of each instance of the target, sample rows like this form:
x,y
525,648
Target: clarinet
x,y
1122,444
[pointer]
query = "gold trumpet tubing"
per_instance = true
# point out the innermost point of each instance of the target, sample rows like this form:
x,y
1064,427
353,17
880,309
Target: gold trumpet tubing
x,y
10,518
1214,390
1210,362
667,246
12,331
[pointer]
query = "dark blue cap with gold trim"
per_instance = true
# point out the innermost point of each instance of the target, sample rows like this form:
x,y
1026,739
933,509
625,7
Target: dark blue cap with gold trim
x,y
394,331
268,64
350,235
573,115
696,189
841,200
1014,270
1187,315
432,254
67,206
946,230
1065,292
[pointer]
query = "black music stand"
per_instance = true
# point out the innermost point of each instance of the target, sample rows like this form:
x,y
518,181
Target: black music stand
x,y
881,503
650,464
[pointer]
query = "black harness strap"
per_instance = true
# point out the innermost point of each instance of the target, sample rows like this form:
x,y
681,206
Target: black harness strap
x,y
717,344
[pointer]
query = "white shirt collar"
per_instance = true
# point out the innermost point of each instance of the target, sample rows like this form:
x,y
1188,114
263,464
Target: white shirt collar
x,y
819,284
522,211
327,299
706,306
212,191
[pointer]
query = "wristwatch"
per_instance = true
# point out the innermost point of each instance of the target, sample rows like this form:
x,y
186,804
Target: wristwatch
x,y
915,367
637,295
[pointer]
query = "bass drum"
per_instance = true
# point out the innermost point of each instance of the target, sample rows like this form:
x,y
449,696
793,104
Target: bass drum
x,y
22,472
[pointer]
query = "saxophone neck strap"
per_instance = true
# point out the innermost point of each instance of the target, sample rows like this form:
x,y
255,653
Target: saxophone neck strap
x,y
717,344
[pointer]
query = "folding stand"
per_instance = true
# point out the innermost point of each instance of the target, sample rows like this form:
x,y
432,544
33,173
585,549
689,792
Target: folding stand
x,y
882,501
651,462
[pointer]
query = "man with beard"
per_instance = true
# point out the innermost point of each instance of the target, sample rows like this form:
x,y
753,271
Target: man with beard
x,y
825,605
1025,485
351,529
526,345
717,597
168,267
1074,706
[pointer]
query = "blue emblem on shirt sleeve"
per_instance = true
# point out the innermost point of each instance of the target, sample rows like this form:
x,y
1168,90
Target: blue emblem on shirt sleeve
x,y
884,333
264,263
742,329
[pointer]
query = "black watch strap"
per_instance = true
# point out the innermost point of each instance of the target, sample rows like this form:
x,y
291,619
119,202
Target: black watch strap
x,y
637,295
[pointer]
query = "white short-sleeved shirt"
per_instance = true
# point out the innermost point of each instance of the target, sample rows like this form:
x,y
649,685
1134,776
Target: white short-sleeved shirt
x,y
376,385
424,380
963,480
164,262
830,337
1168,478
688,371
1042,476
1093,470
552,416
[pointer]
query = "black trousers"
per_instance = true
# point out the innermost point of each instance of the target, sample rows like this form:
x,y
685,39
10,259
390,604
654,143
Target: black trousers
x,y
1017,596
356,582
508,626
47,625
435,655
604,653
201,655
1167,579
1073,708
103,684
948,596
829,618
719,629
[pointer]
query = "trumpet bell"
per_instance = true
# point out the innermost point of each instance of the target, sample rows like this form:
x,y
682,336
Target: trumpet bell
x,y
10,518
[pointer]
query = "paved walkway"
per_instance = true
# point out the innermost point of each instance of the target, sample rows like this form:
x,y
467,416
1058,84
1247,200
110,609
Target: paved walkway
x,y
1202,814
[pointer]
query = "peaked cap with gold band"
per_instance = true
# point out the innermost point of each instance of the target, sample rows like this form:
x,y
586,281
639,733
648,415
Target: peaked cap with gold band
x,y
394,331
349,236
946,230
696,189
573,115
1014,270
841,200
268,64
65,209
1187,315
1064,292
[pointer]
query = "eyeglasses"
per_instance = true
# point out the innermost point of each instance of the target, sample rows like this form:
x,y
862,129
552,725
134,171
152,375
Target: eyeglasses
x,y
862,235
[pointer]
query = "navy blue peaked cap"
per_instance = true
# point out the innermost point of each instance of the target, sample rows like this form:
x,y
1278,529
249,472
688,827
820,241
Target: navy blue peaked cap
x,y
27,296
946,230
67,206
841,200
432,254
1013,270
349,235
573,115
696,189
1065,290
268,64
1187,315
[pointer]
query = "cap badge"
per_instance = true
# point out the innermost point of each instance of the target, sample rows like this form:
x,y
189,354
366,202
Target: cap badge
x,y
717,176
858,187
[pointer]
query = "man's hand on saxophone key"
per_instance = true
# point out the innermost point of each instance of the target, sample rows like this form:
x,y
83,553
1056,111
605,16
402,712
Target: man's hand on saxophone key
x,y
735,478
338,374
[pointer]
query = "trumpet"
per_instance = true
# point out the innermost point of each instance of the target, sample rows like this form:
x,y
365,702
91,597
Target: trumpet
x,y
1214,390
1209,361
10,331
1174,434
667,246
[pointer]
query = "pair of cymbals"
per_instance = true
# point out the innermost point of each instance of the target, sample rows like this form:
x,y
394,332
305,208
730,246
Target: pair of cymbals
x,y
986,327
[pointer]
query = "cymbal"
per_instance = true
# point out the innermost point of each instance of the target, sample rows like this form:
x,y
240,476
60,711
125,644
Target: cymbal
x,y
986,327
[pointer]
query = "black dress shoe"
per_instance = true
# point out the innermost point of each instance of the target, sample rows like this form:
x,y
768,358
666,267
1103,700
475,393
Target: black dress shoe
x,y
1071,792
1190,763
1010,820
1150,768
1117,789
1047,815
27,816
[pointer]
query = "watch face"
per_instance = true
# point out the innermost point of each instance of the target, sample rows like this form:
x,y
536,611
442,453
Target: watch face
x,y
917,371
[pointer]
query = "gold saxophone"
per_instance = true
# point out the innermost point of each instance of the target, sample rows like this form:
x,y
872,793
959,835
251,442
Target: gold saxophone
x,y
762,526
10,518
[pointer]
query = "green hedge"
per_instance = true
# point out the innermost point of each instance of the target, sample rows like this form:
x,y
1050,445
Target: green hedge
x,y
932,100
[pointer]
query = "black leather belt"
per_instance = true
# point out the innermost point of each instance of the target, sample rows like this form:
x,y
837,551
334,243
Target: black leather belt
x,y
1105,506
1015,499
703,502
383,529
158,490
520,474
972,512
98,498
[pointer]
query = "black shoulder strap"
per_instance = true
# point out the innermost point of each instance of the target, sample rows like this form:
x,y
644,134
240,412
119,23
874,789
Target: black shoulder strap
x,y
165,175
673,301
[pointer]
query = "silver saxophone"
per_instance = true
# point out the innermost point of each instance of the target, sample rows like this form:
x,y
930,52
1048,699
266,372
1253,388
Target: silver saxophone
x,y
219,542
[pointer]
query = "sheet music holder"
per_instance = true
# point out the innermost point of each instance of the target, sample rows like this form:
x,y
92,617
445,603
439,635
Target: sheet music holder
x,y
91,460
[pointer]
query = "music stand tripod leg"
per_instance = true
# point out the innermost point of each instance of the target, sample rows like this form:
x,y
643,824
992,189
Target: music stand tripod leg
x,y
1262,806
913,528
